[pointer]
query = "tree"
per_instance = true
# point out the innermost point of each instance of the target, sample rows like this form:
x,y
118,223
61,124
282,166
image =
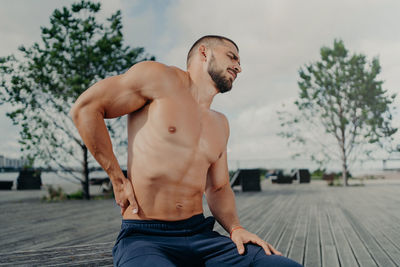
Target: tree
x,y
342,95
75,52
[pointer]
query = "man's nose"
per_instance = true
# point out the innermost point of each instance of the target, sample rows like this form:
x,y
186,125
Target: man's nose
x,y
238,69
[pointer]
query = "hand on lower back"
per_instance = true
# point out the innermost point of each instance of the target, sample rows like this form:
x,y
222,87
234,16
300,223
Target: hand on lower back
x,y
125,196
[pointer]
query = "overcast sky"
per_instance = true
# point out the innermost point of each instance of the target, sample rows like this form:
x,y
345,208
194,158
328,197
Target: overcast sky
x,y
275,39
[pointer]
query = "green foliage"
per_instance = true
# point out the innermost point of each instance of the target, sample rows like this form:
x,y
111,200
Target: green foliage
x,y
335,182
103,196
75,51
58,194
55,194
341,96
318,174
76,195
348,174
263,173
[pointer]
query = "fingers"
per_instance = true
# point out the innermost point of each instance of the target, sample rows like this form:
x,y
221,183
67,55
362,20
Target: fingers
x,y
122,205
268,248
264,245
274,250
130,194
125,197
129,202
247,237
123,210
239,246
133,203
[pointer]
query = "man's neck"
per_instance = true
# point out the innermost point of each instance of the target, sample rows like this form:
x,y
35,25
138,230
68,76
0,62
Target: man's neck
x,y
202,89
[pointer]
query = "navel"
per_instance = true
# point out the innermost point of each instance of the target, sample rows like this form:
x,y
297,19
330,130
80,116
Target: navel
x,y
172,129
179,205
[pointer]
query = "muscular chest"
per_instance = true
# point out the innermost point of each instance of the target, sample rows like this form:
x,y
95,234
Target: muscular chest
x,y
181,125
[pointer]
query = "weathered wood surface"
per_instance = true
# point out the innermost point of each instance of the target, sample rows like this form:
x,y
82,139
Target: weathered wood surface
x,y
313,224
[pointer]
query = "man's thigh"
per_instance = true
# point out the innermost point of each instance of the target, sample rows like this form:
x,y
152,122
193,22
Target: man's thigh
x,y
220,251
145,251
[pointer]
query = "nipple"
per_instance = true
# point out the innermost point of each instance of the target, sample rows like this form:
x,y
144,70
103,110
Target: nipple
x,y
172,129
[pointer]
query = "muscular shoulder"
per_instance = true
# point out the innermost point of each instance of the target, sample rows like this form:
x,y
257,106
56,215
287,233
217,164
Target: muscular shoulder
x,y
222,120
154,78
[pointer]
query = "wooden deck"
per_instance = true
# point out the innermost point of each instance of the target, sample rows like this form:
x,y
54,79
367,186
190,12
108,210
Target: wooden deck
x,y
313,224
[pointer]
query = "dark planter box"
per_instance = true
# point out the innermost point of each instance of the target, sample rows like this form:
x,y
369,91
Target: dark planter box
x,y
6,185
250,179
29,179
282,179
303,175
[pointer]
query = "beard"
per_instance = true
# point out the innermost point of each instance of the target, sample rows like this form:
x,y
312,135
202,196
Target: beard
x,y
221,82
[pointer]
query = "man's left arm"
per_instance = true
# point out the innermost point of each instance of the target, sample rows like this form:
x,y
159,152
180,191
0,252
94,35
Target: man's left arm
x,y
221,201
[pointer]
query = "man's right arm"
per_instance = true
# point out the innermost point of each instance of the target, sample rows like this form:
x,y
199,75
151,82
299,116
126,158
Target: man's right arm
x,y
110,98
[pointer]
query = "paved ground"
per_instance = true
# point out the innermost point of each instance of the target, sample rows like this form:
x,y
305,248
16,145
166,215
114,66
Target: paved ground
x,y
313,224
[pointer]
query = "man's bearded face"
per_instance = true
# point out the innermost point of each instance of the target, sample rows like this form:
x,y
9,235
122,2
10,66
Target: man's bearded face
x,y
217,75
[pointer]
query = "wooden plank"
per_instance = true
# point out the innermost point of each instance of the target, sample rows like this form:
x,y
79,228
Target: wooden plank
x,y
91,252
275,209
57,231
95,259
277,228
346,255
328,249
28,228
358,248
386,237
381,248
297,249
291,222
269,204
383,219
312,255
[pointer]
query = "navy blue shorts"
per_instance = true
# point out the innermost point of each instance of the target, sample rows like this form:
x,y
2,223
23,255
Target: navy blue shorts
x,y
190,242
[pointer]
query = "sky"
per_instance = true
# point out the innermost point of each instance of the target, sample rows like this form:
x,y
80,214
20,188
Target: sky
x,y
275,39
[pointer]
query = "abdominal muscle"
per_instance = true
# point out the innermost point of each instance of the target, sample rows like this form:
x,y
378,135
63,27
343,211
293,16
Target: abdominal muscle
x,y
164,199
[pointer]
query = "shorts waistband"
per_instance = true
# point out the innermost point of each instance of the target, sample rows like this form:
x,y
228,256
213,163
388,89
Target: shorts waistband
x,y
193,225
187,223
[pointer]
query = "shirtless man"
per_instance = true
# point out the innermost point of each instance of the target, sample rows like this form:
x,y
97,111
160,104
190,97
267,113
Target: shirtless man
x,y
176,153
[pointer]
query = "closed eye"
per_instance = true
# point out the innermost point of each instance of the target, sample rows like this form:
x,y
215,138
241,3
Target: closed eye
x,y
233,57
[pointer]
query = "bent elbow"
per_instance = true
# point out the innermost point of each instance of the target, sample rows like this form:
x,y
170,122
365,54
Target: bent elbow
x,y
71,112
74,113
217,188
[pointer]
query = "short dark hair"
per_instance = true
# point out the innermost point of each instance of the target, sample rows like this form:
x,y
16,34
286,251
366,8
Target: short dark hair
x,y
208,39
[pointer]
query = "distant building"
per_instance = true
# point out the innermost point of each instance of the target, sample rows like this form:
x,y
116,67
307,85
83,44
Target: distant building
x,y
12,163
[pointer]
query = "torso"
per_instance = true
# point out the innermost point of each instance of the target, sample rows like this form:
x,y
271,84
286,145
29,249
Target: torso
x,y
172,142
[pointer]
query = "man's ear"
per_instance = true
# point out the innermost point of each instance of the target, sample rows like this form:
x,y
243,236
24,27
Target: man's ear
x,y
203,52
